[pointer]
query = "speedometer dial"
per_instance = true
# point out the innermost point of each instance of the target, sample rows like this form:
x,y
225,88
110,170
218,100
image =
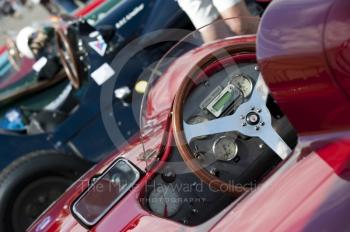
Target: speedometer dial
x,y
164,201
225,148
244,84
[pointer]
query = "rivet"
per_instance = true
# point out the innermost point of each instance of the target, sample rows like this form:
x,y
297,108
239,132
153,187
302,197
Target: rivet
x,y
197,155
213,171
195,210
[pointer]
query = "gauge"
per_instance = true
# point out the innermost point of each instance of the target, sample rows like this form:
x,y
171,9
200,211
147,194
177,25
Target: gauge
x,y
244,84
225,148
196,120
164,201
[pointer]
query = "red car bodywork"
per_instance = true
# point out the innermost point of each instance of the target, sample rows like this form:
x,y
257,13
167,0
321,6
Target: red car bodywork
x,y
88,8
3,49
303,54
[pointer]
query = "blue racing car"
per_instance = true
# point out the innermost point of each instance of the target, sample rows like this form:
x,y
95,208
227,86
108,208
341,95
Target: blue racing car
x,y
51,126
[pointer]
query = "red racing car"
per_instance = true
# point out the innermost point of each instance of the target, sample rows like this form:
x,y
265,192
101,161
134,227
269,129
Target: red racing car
x,y
245,133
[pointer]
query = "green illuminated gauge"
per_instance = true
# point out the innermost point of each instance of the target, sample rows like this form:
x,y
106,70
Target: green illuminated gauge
x,y
164,201
198,119
244,84
225,148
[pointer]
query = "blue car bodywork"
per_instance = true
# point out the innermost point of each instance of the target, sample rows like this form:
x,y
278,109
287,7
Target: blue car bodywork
x,y
83,132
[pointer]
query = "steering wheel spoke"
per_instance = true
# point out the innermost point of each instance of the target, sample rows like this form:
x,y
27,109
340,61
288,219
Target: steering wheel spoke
x,y
260,92
220,125
273,140
265,131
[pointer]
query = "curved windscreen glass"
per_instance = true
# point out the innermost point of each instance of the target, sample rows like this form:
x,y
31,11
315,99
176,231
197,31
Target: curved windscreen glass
x,y
164,82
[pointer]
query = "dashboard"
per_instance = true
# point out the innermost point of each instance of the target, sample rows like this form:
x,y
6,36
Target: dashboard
x,y
176,192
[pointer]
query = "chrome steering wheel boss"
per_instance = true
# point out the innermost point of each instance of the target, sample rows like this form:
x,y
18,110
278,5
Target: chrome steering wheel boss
x,y
252,118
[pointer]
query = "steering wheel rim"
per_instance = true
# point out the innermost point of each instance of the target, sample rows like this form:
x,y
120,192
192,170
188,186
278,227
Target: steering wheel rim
x,y
67,58
183,132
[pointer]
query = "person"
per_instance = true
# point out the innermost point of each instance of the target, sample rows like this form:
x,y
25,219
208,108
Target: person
x,y
39,44
32,42
11,8
204,12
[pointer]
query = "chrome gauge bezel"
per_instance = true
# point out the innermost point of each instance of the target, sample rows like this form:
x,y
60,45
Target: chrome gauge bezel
x,y
216,142
234,80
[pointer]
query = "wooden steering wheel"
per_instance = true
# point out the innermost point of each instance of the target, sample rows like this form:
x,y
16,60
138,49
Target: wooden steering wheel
x,y
68,58
238,121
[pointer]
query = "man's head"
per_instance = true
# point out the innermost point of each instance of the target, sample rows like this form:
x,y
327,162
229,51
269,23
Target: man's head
x,y
30,41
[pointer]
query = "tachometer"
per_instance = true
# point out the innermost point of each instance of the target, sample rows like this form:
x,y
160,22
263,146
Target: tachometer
x,y
225,148
164,201
244,84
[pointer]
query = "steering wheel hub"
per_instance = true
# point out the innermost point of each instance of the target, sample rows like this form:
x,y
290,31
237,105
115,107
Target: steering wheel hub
x,y
252,118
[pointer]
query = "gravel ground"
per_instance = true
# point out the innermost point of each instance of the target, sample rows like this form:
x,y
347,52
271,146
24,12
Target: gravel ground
x,y
29,16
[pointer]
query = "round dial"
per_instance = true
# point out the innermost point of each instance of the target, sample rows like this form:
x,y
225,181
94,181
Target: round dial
x,y
164,201
198,119
225,148
244,84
